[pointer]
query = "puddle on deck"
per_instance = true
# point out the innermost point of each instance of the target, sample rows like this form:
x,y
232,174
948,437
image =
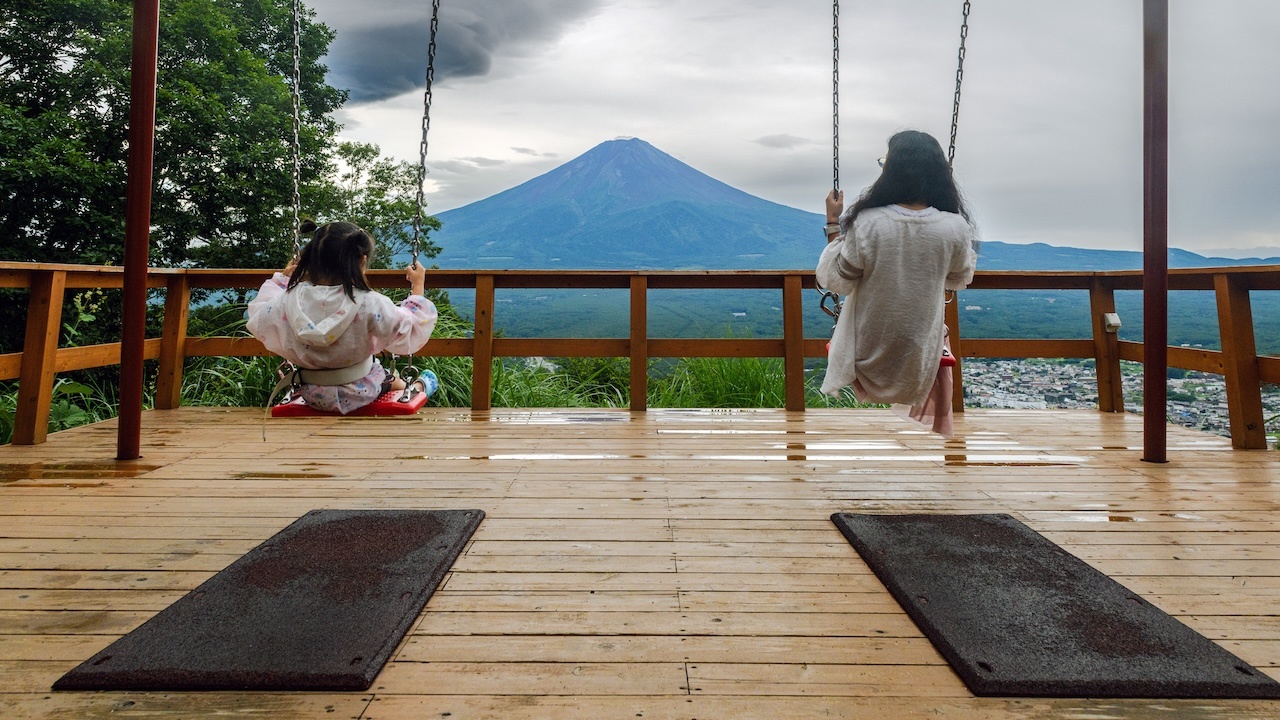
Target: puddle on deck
x,y
1102,517
1124,516
672,431
281,476
979,448
11,472
795,454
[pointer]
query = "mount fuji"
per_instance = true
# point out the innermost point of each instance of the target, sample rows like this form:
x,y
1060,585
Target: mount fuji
x,y
625,204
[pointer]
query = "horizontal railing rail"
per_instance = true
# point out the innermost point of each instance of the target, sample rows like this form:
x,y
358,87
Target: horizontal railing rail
x,y
40,360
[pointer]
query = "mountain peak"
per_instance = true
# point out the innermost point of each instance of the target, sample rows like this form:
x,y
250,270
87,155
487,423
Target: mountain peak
x,y
625,204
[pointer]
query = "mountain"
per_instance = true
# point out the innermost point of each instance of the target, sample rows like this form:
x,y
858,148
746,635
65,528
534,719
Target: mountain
x,y
625,204
1248,253
1039,256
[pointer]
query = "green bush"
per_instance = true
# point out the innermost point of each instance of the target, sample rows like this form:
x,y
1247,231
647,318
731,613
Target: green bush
x,y
554,382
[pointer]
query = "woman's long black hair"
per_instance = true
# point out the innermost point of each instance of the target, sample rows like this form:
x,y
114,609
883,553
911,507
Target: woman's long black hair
x,y
333,256
915,171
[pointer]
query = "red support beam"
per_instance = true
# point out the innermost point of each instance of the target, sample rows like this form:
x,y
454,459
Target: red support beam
x,y
1155,264
137,227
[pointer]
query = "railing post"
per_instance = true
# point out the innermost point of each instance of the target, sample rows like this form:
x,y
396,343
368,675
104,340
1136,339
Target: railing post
x,y
639,343
39,349
952,311
482,366
177,304
1106,348
793,340
1240,363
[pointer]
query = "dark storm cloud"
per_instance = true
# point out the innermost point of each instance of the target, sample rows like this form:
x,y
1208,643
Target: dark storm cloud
x,y
381,47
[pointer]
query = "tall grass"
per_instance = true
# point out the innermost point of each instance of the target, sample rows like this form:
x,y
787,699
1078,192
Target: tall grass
x,y
733,383
556,382
74,403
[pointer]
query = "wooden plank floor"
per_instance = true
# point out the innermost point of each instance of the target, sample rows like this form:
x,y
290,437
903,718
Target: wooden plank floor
x,y
669,565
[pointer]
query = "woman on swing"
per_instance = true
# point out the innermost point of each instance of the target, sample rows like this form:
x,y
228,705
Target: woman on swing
x,y
905,242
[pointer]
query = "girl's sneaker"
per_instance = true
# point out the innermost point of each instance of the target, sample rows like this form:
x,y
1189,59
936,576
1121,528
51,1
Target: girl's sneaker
x,y
430,383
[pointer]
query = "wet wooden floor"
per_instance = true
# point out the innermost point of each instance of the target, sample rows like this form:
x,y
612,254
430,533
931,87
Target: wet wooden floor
x,y
665,565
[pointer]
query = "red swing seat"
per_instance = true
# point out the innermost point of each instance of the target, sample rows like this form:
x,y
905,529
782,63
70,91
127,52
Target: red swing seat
x,y
386,404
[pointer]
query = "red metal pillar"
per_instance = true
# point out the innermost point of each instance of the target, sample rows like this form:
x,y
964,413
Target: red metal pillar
x,y
137,227
1155,264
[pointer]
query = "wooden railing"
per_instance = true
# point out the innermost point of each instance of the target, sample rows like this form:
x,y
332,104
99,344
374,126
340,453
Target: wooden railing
x,y
41,359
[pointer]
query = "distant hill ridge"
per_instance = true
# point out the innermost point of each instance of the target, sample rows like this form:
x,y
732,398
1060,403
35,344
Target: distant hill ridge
x,y
626,204
1039,256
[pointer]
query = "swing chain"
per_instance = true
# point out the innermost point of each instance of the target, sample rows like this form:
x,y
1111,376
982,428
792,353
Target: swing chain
x,y
836,303
410,373
296,96
835,95
421,204
955,108
831,302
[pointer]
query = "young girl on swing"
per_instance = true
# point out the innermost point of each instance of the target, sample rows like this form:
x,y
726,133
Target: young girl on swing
x,y
905,242
320,314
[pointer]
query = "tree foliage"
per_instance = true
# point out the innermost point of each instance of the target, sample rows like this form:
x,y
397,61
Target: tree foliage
x,y
223,190
223,129
378,194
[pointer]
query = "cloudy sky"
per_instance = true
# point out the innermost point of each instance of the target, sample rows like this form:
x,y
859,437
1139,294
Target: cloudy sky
x,y
1049,146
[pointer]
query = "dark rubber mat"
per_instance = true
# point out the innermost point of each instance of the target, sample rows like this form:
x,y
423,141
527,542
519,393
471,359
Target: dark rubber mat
x,y
319,606
1016,615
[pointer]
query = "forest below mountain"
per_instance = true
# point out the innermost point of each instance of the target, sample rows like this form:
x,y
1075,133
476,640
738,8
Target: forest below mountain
x,y
625,204
1039,314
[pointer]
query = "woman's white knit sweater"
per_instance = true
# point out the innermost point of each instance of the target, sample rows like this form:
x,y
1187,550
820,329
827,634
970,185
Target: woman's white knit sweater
x,y
893,266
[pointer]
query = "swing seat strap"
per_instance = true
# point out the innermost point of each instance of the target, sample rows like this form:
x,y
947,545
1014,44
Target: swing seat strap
x,y
335,376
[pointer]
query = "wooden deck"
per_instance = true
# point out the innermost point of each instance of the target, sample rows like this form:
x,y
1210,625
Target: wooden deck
x,y
662,565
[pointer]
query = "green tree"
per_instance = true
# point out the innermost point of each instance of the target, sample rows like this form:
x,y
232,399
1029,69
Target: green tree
x,y
224,133
223,129
378,194
60,169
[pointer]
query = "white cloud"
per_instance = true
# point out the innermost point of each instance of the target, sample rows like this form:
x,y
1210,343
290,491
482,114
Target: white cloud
x,y
1049,146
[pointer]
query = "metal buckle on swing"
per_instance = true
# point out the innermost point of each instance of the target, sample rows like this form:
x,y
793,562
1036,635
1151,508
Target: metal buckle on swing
x,y
290,379
410,376
836,304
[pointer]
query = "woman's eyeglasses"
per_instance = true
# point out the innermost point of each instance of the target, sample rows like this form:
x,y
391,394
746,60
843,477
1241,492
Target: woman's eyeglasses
x,y
880,162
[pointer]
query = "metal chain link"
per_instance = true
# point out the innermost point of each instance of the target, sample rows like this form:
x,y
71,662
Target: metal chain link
x,y
297,126
410,373
831,302
426,126
835,95
955,109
